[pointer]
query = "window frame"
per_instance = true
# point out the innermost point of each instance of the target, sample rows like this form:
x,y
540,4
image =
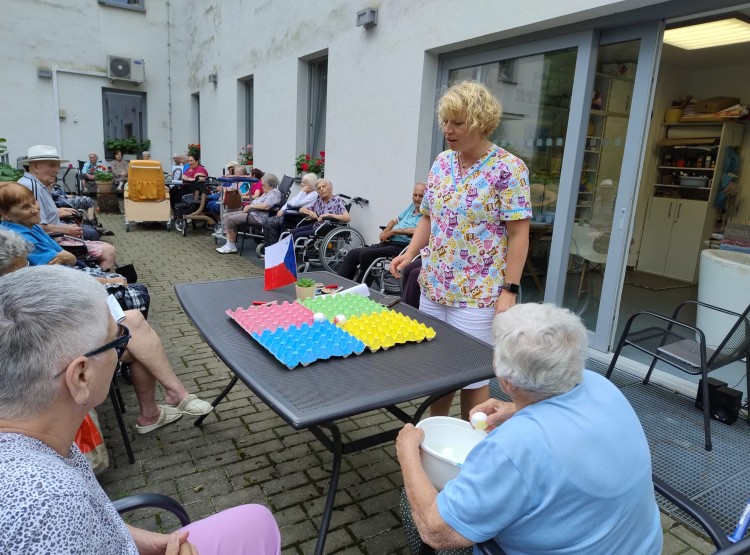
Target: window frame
x,y
140,6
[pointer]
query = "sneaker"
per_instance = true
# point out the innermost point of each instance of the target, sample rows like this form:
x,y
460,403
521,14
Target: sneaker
x,y
226,250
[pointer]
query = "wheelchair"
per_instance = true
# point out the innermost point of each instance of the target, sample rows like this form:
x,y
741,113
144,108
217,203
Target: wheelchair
x,y
330,243
380,274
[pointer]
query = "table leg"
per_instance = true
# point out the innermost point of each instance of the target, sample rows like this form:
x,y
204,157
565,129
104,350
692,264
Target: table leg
x,y
332,487
224,393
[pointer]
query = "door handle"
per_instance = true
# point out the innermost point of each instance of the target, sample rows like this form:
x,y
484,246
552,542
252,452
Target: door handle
x,y
669,214
679,209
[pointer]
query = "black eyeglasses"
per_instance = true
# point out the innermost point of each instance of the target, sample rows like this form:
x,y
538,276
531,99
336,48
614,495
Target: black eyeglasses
x,y
119,344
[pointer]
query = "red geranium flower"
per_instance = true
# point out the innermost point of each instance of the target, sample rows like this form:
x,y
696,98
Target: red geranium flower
x,y
305,167
322,153
307,157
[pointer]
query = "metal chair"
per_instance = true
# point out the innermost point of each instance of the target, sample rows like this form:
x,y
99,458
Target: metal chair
x,y
680,349
713,529
119,407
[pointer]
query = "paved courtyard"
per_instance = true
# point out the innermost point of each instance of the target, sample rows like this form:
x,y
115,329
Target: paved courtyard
x,y
244,453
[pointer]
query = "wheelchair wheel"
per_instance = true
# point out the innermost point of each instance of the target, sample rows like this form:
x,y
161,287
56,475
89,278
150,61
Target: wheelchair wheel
x,y
260,250
337,244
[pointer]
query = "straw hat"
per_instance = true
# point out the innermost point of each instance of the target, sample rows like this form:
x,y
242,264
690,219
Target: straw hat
x,y
42,152
232,164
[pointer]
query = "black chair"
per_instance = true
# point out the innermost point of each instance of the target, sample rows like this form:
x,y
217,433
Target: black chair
x,y
155,501
679,348
713,529
119,407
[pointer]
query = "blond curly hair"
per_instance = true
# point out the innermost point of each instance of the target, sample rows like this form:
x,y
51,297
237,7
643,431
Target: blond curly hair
x,y
475,101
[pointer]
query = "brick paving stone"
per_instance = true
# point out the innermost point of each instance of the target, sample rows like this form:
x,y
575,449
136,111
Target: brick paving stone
x,y
244,452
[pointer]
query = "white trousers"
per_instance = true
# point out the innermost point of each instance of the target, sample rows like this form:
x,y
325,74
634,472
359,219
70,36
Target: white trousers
x,y
477,322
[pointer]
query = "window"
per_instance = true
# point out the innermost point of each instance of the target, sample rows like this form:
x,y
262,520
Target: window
x,y
124,114
316,112
137,5
249,99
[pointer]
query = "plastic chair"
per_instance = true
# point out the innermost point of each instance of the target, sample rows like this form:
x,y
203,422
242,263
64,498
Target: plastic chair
x,y
681,350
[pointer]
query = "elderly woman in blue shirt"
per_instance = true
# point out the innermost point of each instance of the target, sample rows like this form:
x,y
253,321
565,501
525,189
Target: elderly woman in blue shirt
x,y
565,467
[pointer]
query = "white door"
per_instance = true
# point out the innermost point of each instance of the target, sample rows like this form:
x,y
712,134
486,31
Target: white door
x,y
656,234
685,241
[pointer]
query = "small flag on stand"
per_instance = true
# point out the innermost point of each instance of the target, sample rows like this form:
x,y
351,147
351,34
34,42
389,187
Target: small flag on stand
x,y
281,264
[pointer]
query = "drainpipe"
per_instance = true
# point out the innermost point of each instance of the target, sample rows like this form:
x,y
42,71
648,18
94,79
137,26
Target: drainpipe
x,y
169,79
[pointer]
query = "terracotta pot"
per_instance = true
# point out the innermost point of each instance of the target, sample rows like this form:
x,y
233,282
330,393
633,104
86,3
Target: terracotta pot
x,y
104,186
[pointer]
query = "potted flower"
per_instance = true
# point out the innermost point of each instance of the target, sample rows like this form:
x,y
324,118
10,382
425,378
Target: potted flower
x,y
103,180
194,150
245,157
305,163
305,288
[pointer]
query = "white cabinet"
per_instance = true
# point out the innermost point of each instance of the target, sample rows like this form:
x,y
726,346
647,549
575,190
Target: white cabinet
x,y
672,237
680,215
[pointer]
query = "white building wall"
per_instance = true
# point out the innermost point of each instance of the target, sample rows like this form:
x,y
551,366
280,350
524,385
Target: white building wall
x,y
73,38
381,81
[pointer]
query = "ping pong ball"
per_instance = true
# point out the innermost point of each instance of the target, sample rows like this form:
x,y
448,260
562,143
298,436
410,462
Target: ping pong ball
x,y
339,319
448,453
319,317
479,420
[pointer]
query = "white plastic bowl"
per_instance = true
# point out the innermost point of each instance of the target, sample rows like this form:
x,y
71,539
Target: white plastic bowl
x,y
447,442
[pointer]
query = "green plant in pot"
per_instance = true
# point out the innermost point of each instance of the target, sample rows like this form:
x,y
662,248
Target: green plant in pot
x,y
131,145
305,288
103,181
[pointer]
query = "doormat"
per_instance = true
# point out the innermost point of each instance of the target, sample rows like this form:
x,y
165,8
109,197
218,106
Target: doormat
x,y
653,282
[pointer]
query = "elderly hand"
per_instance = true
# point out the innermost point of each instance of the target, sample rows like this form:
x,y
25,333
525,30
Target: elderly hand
x,y
73,231
176,545
497,412
408,441
280,213
66,212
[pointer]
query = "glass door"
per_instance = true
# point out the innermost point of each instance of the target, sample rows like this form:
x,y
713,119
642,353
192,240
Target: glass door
x,y
536,89
576,111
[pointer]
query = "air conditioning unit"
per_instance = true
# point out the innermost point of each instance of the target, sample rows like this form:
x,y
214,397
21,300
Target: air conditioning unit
x,y
126,69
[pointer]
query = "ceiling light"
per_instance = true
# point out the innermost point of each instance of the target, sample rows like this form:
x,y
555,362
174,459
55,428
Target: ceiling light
x,y
707,35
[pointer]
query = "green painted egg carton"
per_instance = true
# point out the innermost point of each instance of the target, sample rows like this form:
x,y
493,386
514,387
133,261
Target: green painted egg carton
x,y
348,305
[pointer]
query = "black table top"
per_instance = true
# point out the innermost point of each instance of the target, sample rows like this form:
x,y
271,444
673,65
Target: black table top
x,y
328,390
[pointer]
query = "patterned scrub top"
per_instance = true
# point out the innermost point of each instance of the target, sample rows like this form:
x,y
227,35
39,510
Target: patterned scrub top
x,y
464,262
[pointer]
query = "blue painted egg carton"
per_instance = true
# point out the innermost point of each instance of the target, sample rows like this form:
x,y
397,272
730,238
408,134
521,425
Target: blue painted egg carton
x,y
308,343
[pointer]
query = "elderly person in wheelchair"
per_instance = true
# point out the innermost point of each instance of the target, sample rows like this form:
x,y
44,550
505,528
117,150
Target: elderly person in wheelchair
x,y
393,239
145,355
255,213
326,208
59,354
565,467
289,213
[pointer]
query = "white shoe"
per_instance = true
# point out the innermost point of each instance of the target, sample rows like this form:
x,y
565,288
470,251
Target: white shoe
x,y
226,250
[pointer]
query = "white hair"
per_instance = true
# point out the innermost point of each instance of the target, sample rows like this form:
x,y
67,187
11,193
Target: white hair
x,y
12,245
540,348
310,178
49,315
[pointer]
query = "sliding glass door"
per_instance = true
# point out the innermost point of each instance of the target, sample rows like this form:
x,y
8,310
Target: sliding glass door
x,y
575,110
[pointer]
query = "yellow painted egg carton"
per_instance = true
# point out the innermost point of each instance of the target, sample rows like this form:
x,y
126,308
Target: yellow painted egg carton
x,y
385,329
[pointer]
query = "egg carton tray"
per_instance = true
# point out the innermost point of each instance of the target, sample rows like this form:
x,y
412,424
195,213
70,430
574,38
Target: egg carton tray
x,y
308,343
257,319
348,305
385,329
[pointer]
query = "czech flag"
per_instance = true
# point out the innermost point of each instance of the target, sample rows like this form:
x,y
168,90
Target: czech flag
x,y
281,264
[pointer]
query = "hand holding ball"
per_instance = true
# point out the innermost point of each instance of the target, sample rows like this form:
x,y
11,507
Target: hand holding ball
x,y
479,420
